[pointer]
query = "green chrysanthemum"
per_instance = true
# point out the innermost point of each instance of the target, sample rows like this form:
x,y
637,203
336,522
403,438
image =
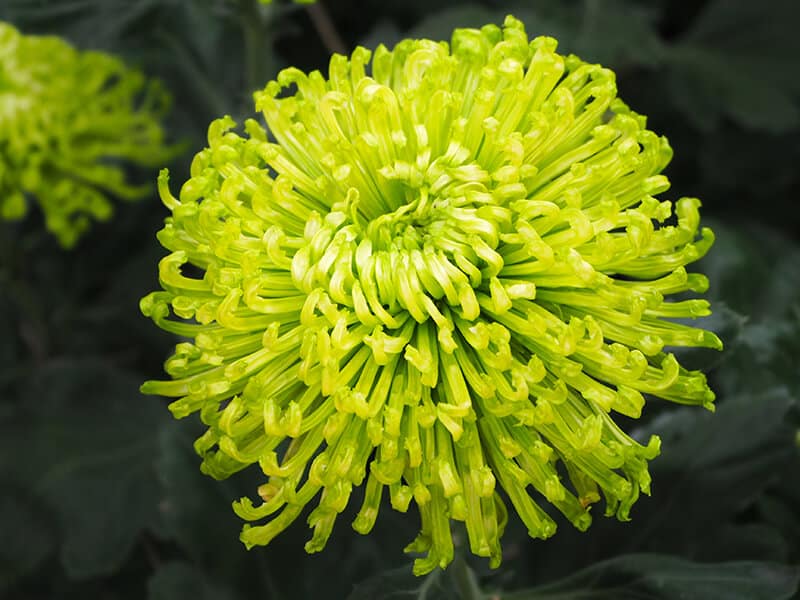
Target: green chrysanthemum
x,y
67,119
438,283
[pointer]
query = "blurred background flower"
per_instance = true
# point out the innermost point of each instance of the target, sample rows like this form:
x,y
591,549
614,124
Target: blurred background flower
x,y
67,120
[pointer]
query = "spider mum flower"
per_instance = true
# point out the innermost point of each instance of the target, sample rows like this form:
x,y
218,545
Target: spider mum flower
x,y
67,121
439,282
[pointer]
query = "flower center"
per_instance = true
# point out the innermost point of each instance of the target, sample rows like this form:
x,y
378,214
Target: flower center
x,y
408,227
433,255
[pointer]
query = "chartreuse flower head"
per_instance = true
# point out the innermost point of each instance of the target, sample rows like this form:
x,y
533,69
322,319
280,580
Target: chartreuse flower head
x,y
67,121
439,282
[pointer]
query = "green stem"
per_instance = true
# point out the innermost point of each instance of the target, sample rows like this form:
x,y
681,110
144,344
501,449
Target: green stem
x,y
326,29
430,579
255,38
466,582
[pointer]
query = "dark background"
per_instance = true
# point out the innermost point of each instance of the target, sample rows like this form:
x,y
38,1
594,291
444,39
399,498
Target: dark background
x,y
100,492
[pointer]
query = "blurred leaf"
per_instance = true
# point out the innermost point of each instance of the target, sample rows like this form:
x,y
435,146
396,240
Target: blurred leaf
x,y
708,85
739,254
457,582
181,581
737,541
84,442
728,440
88,23
779,509
616,34
656,577
743,179
712,467
206,28
397,584
758,272
739,61
401,10
20,10
196,509
8,335
752,35
26,522
780,506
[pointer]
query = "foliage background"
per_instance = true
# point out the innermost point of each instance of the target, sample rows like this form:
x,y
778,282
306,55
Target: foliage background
x,y
101,496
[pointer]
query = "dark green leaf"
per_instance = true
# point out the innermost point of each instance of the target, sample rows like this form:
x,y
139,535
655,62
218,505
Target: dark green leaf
x,y
397,584
84,443
8,348
657,577
405,10
736,542
735,179
181,581
707,85
457,582
762,352
739,61
28,532
779,507
94,24
616,34
712,467
197,509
